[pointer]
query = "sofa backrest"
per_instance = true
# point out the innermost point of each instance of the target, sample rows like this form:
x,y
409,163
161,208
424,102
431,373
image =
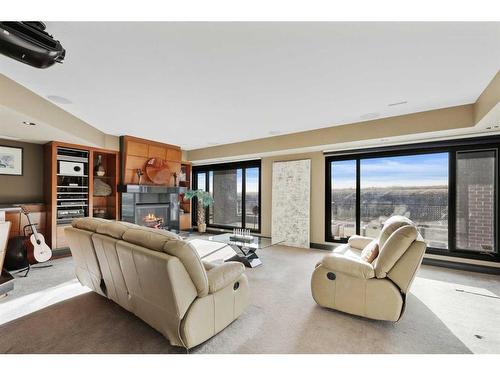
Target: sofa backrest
x,y
154,240
401,251
390,226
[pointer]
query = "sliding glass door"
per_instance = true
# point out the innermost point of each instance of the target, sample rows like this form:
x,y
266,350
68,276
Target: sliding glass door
x,y
252,198
448,189
235,188
226,189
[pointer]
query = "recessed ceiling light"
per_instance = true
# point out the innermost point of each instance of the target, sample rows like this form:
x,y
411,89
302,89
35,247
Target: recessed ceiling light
x,y
274,132
370,116
29,123
59,99
397,103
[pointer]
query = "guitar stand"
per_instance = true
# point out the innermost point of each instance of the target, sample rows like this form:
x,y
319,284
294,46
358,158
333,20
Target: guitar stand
x,y
29,268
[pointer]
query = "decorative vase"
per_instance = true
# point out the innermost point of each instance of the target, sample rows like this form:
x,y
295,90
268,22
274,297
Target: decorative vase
x,y
99,169
102,189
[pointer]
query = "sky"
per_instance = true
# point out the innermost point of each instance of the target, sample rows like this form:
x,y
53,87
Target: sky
x,y
415,170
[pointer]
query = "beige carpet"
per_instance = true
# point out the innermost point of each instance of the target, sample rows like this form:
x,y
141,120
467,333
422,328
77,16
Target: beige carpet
x,y
282,318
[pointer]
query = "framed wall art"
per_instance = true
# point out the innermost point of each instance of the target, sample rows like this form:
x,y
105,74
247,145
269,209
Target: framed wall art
x,y
11,161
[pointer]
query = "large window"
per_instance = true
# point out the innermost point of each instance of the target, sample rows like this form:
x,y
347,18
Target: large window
x,y
235,188
414,186
343,198
449,189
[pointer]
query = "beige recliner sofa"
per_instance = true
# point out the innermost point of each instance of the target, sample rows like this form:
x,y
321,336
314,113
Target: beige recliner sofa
x,y
343,281
158,277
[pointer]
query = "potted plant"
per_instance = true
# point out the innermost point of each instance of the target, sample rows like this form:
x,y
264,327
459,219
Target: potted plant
x,y
204,200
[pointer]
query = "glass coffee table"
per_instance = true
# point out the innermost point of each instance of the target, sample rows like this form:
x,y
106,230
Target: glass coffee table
x,y
245,251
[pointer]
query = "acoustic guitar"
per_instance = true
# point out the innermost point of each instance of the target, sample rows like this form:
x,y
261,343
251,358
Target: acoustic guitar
x,y
41,251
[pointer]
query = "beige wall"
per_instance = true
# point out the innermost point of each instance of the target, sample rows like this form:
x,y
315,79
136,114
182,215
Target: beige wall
x,y
27,188
488,99
422,122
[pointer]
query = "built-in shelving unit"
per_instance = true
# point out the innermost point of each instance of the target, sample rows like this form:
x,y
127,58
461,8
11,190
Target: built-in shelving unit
x,y
185,216
72,199
105,206
70,177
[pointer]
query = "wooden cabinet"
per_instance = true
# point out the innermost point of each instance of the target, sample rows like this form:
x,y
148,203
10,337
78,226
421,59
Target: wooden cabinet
x,y
61,241
185,221
69,195
18,220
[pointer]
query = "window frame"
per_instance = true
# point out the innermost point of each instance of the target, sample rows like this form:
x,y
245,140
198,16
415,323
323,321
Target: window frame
x,y
452,147
243,165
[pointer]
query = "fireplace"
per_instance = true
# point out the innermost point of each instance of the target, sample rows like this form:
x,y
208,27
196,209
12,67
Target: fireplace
x,y
151,206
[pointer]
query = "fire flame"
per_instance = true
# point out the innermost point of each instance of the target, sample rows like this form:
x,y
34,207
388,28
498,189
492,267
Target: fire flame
x,y
152,220
150,217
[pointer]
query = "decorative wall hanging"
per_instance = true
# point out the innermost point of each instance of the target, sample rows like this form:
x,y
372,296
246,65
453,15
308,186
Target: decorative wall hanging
x,y
157,171
291,202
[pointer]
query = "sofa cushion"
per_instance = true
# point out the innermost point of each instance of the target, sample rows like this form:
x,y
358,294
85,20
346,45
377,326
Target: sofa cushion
x,y
390,226
370,251
153,240
359,242
349,266
114,229
395,246
347,251
88,223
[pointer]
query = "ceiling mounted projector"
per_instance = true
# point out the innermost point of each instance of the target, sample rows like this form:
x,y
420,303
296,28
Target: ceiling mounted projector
x,y
28,42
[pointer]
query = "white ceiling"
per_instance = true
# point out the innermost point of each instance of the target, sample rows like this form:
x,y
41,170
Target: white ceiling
x,y
201,84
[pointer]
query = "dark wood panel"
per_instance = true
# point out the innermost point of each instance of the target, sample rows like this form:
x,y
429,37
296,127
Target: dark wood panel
x,y
137,151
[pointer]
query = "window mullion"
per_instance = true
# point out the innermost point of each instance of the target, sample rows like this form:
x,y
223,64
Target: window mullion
x,y
243,197
452,191
358,197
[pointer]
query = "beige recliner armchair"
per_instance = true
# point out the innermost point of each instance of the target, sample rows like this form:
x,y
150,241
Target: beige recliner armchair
x,y
344,281
158,277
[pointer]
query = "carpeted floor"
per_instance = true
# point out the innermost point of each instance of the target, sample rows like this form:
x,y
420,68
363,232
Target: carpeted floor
x,y
449,312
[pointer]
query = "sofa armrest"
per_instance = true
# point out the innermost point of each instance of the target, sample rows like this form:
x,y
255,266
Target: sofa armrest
x,y
348,266
359,242
223,275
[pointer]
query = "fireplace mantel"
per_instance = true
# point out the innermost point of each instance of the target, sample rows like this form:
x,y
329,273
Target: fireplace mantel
x,y
151,189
